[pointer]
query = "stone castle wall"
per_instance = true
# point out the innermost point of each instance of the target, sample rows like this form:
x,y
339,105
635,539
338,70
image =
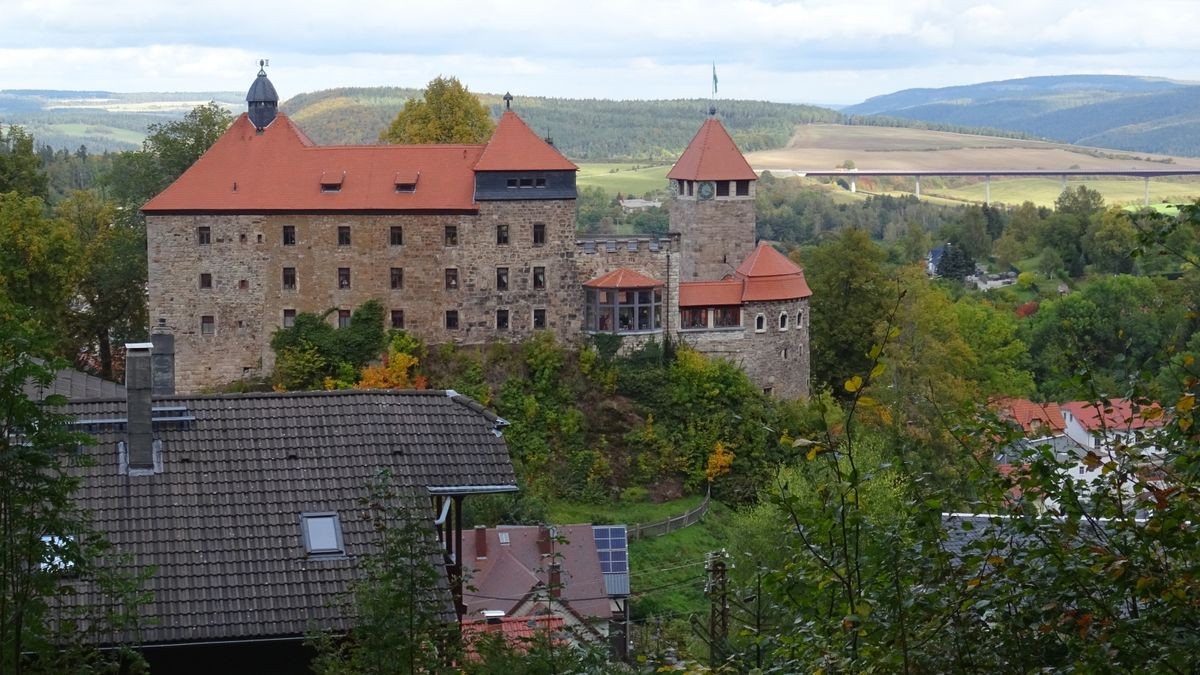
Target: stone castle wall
x,y
246,257
716,234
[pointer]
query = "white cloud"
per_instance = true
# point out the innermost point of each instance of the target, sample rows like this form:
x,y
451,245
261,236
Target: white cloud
x,y
830,51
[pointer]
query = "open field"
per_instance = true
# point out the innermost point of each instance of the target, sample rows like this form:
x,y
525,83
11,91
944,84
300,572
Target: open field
x,y
1043,192
623,178
827,146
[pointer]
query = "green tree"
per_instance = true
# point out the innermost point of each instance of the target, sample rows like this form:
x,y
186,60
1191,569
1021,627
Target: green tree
x,y
20,169
44,535
1109,241
1081,201
312,354
956,263
850,292
38,261
447,113
110,290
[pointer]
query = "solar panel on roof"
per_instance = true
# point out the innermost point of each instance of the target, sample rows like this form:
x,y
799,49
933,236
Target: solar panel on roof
x,y
612,547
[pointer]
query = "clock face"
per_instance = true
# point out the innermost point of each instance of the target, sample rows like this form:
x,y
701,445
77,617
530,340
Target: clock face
x,y
706,190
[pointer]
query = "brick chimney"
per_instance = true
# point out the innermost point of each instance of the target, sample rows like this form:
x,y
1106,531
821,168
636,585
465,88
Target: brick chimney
x,y
162,371
555,580
480,542
544,540
139,427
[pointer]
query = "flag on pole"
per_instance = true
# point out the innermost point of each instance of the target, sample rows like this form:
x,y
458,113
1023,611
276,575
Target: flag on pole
x,y
714,78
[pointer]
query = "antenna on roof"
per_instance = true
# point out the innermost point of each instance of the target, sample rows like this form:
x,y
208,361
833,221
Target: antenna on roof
x,y
508,101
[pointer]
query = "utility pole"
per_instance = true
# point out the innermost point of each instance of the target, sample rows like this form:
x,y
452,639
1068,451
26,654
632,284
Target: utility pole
x,y
718,616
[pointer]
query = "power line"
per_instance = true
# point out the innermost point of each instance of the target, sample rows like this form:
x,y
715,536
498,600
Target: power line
x,y
599,597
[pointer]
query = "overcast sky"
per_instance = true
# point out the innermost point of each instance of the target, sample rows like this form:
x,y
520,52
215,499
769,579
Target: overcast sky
x,y
824,51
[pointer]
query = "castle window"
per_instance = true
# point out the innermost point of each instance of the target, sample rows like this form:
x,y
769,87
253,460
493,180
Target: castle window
x,y
539,182
502,278
502,235
539,234
208,325
784,354
511,183
539,278
289,235
396,235
343,318
398,319
452,235
623,310
452,319
691,186
289,278
743,188
343,277
760,323
205,281
693,317
526,182
204,235
502,319
727,317
799,318
289,318
539,319
451,279
243,284
681,187
783,321
343,235
722,188
397,278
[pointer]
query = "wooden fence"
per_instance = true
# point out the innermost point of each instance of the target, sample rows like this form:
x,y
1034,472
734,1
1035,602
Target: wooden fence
x,y
668,525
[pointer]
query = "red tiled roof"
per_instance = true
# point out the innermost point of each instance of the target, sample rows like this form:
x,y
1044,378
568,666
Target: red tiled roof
x,y
514,147
710,293
507,577
1034,418
623,278
712,155
769,275
516,629
1117,416
280,170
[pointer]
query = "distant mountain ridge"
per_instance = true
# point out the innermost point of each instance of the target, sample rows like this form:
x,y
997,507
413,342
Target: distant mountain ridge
x,y
1143,114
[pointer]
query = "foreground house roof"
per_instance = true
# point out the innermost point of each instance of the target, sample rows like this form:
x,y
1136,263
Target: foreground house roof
x,y
73,384
1118,414
712,155
1042,419
219,519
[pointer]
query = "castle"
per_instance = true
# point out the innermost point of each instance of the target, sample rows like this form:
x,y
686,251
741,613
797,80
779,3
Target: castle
x,y
462,243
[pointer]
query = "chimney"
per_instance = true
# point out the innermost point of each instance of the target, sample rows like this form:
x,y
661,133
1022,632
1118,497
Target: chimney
x,y
480,542
555,580
139,427
162,371
544,540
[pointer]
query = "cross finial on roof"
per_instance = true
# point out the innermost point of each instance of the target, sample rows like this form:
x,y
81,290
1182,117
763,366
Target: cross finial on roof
x,y
508,101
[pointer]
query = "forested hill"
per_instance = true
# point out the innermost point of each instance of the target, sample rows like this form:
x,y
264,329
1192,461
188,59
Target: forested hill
x,y
584,129
1114,111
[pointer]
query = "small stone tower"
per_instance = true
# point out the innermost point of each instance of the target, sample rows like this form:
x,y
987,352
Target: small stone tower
x,y
713,204
262,100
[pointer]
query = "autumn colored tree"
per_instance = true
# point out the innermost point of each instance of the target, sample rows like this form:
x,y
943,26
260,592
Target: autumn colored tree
x,y
447,113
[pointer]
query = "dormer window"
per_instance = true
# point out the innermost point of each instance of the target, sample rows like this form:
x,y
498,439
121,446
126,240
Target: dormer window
x,y
407,182
332,181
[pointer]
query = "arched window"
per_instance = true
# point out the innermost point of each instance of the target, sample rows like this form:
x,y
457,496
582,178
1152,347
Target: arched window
x,y
783,319
760,323
784,354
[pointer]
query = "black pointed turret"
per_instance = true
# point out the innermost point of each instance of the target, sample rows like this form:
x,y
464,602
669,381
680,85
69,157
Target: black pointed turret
x,y
262,99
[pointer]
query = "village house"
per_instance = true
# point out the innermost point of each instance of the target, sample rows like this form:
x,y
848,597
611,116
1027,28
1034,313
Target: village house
x,y
247,509
461,243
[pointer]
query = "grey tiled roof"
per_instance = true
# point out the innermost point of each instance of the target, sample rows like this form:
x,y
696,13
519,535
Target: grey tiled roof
x,y
221,523
74,385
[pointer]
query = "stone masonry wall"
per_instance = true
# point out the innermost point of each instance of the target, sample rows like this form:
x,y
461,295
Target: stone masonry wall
x,y
716,234
246,257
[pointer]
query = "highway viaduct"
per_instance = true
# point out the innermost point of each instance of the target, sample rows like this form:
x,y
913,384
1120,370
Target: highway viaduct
x,y
853,174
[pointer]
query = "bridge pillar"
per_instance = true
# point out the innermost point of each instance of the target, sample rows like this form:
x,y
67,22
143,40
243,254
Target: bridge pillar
x,y
1064,182
918,186
1146,194
987,190
853,184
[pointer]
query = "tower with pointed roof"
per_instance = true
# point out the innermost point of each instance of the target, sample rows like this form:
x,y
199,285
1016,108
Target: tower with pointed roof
x,y
261,100
712,207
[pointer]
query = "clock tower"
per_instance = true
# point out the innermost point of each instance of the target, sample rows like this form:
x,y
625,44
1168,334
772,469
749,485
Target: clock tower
x,y
712,207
